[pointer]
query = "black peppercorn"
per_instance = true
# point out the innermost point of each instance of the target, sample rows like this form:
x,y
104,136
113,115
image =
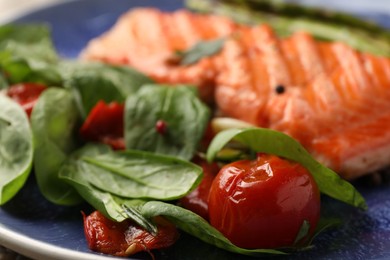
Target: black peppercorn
x,y
280,89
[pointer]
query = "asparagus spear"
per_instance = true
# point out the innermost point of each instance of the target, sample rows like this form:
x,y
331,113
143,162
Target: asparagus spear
x,y
288,18
294,10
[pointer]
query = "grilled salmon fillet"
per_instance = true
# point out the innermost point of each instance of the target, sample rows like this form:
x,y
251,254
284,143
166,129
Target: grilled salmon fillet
x,y
148,39
330,97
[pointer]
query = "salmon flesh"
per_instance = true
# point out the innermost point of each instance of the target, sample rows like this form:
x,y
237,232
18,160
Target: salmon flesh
x,y
331,98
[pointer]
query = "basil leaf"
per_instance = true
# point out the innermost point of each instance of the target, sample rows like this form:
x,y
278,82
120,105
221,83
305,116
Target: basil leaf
x,y
195,225
201,50
27,54
273,142
53,121
93,81
136,174
184,115
16,148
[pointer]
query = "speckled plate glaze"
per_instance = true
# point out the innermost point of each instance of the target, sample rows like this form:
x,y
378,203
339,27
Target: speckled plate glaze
x,y
32,226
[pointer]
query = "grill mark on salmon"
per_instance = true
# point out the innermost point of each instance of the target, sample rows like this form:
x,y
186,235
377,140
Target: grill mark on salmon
x,y
336,99
236,76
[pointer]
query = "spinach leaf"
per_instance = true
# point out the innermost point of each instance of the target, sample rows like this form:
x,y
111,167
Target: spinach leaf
x,y
3,81
71,170
200,50
273,142
77,172
303,232
136,174
100,200
93,81
113,207
183,115
16,148
27,54
53,121
195,225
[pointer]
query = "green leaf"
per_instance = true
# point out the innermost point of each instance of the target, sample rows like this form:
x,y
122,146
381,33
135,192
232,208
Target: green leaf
x,y
183,114
54,120
277,143
31,40
93,81
100,200
195,225
27,54
114,207
135,215
137,174
16,148
3,81
110,205
303,231
200,50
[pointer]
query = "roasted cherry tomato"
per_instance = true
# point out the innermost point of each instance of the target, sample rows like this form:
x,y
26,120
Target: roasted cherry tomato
x,y
263,203
26,94
105,124
197,200
125,238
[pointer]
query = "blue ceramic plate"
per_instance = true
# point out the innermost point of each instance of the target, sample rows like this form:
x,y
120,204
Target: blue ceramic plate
x,y
33,227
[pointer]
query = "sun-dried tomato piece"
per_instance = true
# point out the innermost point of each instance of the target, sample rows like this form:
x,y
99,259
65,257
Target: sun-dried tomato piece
x,y
26,94
126,238
105,124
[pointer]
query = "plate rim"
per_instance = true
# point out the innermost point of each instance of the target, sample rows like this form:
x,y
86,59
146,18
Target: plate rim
x,y
37,249
19,242
24,12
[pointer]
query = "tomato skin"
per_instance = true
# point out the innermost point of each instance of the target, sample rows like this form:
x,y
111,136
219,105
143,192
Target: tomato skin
x,y
26,94
125,238
105,124
197,200
263,203
104,235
